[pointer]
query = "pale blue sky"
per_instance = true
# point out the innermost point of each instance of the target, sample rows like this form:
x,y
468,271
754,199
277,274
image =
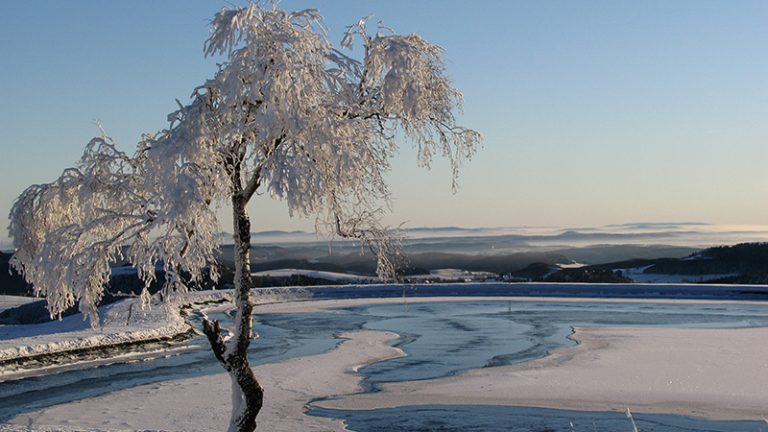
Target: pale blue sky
x,y
594,112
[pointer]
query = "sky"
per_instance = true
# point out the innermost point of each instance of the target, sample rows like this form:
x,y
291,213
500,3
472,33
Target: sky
x,y
593,112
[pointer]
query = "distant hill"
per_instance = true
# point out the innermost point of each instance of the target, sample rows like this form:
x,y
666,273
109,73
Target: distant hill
x,y
602,254
422,258
417,263
745,263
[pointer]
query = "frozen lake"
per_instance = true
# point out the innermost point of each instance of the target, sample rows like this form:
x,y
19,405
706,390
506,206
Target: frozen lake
x,y
465,418
440,339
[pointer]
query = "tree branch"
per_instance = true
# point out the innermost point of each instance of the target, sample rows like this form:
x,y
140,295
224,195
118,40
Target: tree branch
x,y
253,185
212,331
255,181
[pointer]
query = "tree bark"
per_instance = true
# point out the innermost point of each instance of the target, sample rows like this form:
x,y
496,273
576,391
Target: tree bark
x,y
247,394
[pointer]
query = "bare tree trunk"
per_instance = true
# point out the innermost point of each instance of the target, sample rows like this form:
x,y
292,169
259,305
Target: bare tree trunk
x,y
247,394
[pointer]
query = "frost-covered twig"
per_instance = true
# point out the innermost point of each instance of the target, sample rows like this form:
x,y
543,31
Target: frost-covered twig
x,y
632,420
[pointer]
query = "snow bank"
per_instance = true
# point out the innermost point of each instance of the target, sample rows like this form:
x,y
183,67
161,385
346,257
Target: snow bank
x,y
123,322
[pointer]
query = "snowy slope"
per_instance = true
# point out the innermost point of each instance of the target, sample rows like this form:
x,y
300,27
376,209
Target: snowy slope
x,y
124,328
123,322
638,275
330,276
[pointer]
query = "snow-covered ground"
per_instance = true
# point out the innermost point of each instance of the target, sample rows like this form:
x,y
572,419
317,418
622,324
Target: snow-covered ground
x,y
121,323
637,274
572,265
330,276
8,301
458,274
125,330
439,274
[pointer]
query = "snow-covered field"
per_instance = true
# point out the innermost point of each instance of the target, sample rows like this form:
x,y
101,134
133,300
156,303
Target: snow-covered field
x,y
441,274
456,274
330,276
638,275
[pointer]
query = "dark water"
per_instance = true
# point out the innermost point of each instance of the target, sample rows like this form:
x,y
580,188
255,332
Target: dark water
x,y
441,339
482,418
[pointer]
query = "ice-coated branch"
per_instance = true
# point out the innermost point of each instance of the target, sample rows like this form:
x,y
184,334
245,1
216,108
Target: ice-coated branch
x,y
68,233
383,243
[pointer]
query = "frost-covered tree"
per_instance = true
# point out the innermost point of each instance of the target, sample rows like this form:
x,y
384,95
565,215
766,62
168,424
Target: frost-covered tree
x,y
286,114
